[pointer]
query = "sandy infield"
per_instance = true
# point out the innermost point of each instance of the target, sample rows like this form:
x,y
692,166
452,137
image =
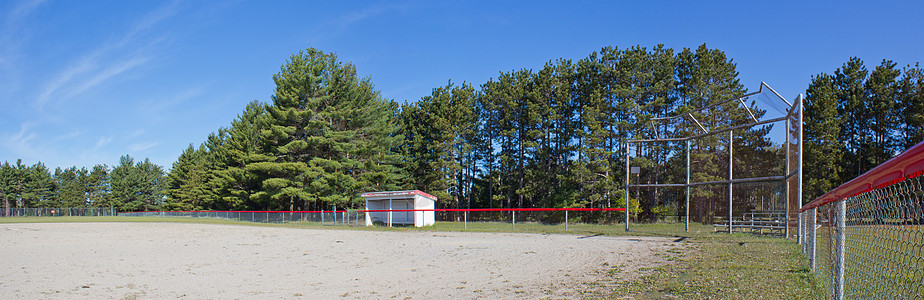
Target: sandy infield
x,y
196,261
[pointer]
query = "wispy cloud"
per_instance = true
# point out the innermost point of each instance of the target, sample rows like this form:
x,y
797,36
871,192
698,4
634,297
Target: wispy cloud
x,y
24,8
107,61
103,141
109,72
25,134
139,147
337,25
70,135
23,142
13,36
136,133
355,17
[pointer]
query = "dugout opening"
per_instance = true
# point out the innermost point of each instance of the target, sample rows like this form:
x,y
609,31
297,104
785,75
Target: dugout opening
x,y
400,208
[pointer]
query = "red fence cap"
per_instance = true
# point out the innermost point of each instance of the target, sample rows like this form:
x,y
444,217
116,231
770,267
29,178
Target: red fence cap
x,y
909,164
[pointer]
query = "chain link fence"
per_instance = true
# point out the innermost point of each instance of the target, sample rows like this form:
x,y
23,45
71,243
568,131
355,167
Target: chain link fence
x,y
462,218
870,245
59,212
340,217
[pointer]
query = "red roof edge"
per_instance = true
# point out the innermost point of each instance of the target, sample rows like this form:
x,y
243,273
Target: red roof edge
x,y
909,164
398,193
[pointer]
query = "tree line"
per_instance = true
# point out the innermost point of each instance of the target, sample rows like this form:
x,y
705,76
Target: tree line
x,y
856,119
129,186
552,137
547,138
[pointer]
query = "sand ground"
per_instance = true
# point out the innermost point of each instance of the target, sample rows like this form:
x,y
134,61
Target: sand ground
x,y
202,261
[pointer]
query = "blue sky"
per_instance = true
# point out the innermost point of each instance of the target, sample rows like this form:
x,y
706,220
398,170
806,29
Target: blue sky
x,y
85,82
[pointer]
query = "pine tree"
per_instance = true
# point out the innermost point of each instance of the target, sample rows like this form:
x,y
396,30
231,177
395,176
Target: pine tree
x,y
70,187
38,187
136,186
98,187
9,177
327,137
911,107
230,180
851,94
822,143
883,100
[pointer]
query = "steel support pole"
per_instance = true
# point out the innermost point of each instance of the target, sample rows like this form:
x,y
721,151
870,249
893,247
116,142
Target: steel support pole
x,y
801,150
786,181
514,214
731,142
686,226
840,250
811,237
566,220
627,186
799,239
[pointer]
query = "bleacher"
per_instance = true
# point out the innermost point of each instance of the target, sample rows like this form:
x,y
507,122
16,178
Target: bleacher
x,y
758,221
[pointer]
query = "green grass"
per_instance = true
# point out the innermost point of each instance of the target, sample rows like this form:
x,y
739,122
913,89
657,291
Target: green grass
x,y
713,265
731,266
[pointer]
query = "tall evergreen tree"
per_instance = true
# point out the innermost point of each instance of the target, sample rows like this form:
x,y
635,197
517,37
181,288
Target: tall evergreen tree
x,y
38,187
327,137
822,143
98,187
851,94
70,187
911,107
136,186
882,90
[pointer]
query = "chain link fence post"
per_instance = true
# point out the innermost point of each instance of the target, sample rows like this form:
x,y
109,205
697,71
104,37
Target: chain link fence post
x,y
799,239
840,250
811,237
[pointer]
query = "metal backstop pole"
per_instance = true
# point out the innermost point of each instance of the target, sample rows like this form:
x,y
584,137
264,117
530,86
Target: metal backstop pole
x,y
627,186
730,178
686,226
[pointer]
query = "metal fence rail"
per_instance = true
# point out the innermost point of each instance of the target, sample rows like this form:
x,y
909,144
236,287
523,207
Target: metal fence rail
x,y
510,216
865,239
58,212
340,217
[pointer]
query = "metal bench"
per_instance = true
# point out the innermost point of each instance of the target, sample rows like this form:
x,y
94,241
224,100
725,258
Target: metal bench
x,y
758,221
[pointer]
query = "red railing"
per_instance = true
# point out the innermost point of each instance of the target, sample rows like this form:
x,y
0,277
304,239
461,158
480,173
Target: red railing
x,y
909,164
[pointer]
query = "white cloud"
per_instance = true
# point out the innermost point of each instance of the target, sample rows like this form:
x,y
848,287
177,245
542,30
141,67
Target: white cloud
x,y
100,77
23,143
103,141
71,135
13,35
24,9
107,61
139,147
63,78
136,133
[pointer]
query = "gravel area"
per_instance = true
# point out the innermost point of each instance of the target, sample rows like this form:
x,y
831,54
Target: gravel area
x,y
203,261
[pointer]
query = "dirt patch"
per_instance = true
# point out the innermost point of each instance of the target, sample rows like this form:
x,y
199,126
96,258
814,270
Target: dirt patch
x,y
161,260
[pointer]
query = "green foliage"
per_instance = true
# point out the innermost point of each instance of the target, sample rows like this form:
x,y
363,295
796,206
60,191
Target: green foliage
x,y
327,137
856,120
552,137
70,187
136,186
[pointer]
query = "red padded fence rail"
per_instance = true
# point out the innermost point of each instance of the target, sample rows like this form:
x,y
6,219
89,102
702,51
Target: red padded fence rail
x,y
496,209
245,211
909,164
393,210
